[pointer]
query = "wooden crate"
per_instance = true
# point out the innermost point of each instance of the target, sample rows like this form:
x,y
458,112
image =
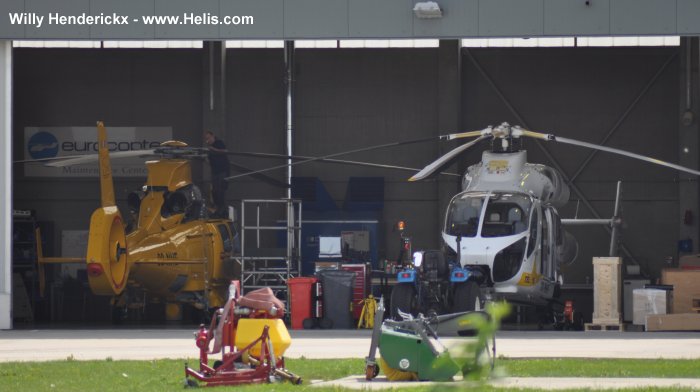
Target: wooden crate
x,y
607,290
673,322
686,286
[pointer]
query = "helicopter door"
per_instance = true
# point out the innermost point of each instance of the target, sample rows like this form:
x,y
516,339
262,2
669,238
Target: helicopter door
x,y
226,238
548,244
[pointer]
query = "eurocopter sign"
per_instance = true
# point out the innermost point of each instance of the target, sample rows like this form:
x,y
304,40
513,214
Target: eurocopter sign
x,y
52,142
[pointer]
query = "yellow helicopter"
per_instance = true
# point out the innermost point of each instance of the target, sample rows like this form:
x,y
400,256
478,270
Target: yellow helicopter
x,y
174,252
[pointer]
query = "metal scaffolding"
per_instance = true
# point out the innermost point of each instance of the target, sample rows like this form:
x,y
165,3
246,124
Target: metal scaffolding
x,y
267,258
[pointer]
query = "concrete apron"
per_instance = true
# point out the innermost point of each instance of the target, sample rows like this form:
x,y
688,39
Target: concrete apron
x,y
548,383
43,345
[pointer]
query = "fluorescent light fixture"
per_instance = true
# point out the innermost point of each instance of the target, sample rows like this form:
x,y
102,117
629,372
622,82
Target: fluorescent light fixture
x,y
427,10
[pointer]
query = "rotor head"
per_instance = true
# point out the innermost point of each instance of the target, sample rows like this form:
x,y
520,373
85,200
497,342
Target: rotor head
x,y
505,138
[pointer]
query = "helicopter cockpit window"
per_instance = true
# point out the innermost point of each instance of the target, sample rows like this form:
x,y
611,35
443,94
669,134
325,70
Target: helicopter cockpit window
x,y
506,214
463,216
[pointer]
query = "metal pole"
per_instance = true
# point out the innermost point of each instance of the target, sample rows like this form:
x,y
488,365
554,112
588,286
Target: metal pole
x,y
243,230
289,65
290,235
211,75
6,184
614,234
544,150
299,240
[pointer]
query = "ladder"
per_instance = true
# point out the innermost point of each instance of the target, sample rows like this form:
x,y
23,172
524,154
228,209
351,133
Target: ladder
x,y
270,247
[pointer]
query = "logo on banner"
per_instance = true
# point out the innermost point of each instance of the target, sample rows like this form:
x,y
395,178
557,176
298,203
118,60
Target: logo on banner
x,y
42,145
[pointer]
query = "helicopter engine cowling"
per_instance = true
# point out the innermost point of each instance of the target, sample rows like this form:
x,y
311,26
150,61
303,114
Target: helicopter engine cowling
x,y
187,200
107,258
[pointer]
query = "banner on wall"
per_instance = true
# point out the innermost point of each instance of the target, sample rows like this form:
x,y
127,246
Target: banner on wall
x,y
51,142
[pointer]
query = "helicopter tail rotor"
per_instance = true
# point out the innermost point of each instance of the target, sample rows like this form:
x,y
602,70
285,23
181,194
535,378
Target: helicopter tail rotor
x,y
107,255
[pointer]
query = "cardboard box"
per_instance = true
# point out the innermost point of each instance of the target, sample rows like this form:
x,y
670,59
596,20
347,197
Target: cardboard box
x,y
689,262
686,286
674,322
647,302
607,290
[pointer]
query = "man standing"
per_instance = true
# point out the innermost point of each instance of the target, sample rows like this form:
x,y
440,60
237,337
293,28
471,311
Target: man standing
x,y
218,161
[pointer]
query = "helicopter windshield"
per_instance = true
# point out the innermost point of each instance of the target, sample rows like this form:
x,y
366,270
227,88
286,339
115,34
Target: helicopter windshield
x,y
463,215
506,214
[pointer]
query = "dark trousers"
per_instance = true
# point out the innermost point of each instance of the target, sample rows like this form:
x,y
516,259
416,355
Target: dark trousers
x,y
218,191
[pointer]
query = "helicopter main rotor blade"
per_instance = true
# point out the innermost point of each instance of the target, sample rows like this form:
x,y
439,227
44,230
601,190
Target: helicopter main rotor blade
x,y
42,160
331,160
462,135
92,158
365,149
564,140
337,154
446,160
258,176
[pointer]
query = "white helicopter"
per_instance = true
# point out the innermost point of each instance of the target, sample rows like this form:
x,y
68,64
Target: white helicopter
x,y
502,235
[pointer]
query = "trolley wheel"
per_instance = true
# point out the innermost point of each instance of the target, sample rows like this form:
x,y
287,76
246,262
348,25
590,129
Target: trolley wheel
x,y
371,372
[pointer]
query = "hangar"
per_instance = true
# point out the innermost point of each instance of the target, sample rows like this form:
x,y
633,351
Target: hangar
x,y
362,74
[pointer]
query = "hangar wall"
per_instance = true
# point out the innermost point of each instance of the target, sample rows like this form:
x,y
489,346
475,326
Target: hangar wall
x,y
356,97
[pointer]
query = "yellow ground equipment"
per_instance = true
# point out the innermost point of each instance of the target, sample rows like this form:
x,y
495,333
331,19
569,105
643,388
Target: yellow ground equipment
x,y
369,309
411,349
251,337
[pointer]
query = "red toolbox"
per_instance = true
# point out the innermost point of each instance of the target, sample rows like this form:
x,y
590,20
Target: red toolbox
x,y
359,292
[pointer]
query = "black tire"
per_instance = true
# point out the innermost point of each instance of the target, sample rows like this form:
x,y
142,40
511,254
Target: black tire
x,y
403,297
578,322
325,323
466,297
309,323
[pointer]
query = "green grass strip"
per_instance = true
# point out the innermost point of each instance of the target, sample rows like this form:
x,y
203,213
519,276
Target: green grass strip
x,y
168,375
